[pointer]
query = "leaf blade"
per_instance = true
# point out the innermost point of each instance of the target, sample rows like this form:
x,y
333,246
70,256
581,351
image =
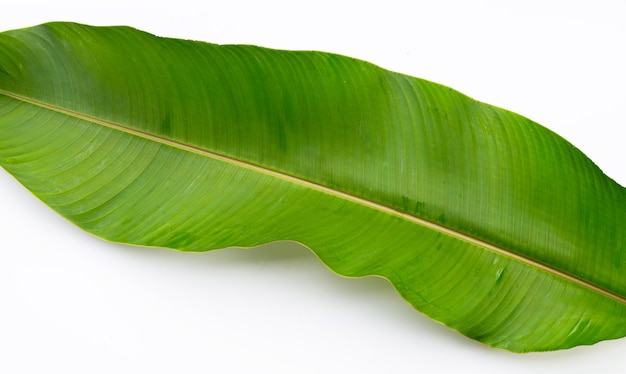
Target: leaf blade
x,y
378,189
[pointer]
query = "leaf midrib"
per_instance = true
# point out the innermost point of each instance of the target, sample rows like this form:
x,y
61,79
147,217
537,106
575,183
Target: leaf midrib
x,y
327,190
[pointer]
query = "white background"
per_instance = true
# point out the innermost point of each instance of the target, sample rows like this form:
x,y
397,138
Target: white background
x,y
71,303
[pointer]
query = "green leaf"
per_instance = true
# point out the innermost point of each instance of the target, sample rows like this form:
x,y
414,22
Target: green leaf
x,y
481,218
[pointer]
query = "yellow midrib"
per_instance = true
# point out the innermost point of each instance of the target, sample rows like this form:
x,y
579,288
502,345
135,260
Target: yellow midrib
x,y
321,188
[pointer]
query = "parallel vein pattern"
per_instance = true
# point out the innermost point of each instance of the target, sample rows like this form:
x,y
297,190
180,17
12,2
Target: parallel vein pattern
x,y
481,218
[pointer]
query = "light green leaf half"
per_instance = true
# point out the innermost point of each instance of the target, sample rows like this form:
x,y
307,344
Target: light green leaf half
x,y
481,218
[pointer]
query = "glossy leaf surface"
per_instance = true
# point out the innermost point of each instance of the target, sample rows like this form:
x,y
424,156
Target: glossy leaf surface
x,y
479,217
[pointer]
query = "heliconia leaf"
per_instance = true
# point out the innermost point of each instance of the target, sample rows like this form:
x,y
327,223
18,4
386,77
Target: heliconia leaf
x,y
480,218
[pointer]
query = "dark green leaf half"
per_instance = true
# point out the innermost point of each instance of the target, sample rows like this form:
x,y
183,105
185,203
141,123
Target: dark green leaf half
x,y
481,218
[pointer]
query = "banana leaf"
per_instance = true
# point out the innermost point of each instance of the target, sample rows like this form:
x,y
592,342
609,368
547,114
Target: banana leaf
x,y
481,219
